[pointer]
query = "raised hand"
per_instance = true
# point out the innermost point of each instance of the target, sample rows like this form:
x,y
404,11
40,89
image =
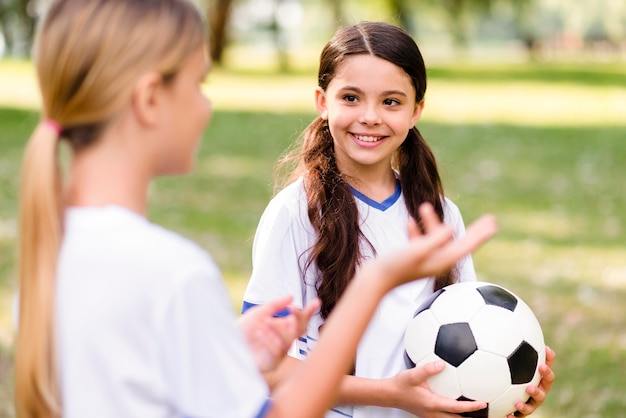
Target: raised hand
x,y
270,336
435,250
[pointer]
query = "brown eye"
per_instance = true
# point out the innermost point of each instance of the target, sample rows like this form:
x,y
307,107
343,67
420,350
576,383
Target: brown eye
x,y
391,102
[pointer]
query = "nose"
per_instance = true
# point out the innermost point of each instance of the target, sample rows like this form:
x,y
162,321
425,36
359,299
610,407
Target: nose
x,y
370,116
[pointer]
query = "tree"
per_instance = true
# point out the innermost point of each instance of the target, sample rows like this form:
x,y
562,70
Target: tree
x,y
17,24
400,9
218,15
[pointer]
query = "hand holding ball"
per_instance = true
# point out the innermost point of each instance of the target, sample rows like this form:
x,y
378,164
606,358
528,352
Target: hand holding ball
x,y
488,337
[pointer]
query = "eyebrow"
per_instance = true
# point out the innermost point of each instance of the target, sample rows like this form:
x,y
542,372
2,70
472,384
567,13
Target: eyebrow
x,y
384,93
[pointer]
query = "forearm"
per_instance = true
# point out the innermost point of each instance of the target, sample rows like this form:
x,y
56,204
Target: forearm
x,y
352,390
363,391
328,364
281,373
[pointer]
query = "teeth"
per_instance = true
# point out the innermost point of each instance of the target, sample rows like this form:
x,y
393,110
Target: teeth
x,y
367,138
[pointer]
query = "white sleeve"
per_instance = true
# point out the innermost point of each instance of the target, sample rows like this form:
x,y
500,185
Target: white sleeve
x,y
206,361
453,217
278,256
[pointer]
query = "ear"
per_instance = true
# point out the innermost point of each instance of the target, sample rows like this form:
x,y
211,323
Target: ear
x,y
147,97
417,112
320,103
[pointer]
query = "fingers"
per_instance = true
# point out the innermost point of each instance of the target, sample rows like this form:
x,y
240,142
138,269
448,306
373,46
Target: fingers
x,y
429,217
421,373
446,252
476,234
550,356
277,305
436,250
424,402
413,228
302,316
538,393
479,232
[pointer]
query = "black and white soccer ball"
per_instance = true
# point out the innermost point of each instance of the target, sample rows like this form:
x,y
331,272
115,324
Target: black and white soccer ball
x,y
490,340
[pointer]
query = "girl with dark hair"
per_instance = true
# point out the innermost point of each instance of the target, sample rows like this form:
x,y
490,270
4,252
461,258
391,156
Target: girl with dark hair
x,y
361,172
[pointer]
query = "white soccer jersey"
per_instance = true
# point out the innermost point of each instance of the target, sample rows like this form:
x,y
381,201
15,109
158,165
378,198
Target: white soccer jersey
x,y
280,248
145,327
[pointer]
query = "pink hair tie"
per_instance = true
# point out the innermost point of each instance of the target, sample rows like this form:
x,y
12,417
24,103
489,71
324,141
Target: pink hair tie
x,y
54,126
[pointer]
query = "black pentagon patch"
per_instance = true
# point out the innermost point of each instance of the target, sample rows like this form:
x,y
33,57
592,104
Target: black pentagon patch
x,y
523,363
455,343
481,413
407,361
494,295
428,302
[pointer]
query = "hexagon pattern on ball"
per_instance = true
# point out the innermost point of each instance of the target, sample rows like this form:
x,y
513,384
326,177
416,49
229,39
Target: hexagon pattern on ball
x,y
488,337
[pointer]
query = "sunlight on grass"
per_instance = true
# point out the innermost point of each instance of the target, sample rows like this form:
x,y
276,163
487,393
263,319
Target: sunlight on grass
x,y
223,166
18,85
524,103
530,102
538,262
527,103
273,93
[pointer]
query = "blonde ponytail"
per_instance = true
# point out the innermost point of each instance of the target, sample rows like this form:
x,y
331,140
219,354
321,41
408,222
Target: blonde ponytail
x,y
87,69
36,383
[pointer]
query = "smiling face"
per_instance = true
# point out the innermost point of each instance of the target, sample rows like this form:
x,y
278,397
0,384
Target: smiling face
x,y
370,106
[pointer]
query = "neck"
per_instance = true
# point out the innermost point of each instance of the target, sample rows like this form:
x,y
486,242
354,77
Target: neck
x,y
102,176
377,185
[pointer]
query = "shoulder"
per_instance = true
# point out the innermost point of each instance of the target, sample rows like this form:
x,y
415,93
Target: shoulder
x,y
118,237
452,213
291,195
287,205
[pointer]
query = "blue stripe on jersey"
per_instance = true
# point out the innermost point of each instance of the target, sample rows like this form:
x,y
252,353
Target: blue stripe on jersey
x,y
382,206
265,409
279,314
340,412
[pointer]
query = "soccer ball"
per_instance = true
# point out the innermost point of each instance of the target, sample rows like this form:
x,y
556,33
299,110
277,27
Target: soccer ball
x,y
488,337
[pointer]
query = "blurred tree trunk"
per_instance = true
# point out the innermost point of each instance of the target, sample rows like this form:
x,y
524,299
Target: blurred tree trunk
x,y
337,11
218,15
26,15
400,9
7,33
17,21
456,10
524,17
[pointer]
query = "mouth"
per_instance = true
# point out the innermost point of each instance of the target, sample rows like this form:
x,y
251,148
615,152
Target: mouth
x,y
368,138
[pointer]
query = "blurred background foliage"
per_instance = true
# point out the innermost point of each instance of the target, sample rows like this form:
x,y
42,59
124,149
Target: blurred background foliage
x,y
541,28
525,110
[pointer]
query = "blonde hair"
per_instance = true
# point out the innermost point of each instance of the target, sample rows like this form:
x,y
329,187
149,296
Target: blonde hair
x,y
88,55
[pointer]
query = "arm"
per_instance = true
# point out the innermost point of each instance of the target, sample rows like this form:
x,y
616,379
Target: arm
x,y
325,368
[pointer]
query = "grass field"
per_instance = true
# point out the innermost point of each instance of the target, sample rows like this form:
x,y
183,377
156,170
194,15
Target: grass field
x,y
541,146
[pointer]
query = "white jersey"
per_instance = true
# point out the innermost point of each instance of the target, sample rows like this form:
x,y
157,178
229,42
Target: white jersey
x,y
145,326
280,248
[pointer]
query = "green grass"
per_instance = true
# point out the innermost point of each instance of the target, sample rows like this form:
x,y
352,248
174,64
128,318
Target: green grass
x,y
543,147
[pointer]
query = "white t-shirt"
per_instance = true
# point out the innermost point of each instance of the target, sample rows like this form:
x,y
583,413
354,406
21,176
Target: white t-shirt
x,y
280,248
145,326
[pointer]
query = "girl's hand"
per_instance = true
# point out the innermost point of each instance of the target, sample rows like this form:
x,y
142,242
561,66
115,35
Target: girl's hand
x,y
538,393
270,336
435,250
414,395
